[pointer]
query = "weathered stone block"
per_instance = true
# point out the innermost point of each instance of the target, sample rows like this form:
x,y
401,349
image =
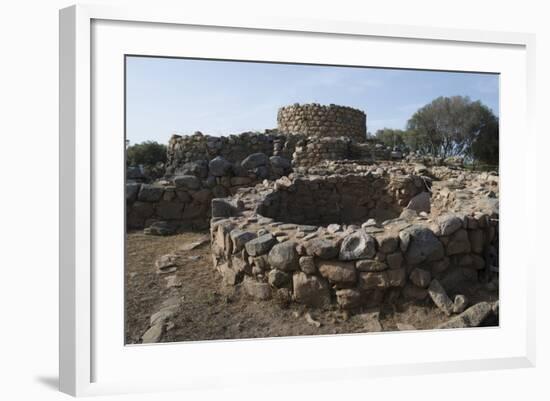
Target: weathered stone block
x,y
187,182
261,245
278,278
307,265
348,298
358,245
240,238
423,245
255,289
370,265
337,272
150,193
322,248
448,224
219,167
471,317
283,256
374,280
311,290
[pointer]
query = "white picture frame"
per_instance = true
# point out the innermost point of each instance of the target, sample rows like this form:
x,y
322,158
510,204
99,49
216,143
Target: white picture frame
x,y
84,355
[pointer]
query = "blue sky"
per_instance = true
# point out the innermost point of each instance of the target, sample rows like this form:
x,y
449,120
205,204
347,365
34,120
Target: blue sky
x,y
166,95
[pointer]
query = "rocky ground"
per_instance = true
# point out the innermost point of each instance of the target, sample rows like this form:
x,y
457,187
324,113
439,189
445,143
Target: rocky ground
x,y
190,299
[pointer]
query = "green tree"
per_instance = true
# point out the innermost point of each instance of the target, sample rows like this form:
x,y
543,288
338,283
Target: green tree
x,y
148,153
449,126
485,146
390,137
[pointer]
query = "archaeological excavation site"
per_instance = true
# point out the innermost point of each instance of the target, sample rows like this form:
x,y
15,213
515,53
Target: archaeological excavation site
x,y
308,228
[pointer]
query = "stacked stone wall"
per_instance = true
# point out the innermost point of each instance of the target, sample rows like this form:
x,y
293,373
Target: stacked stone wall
x,y
341,199
183,200
322,121
313,150
234,148
356,266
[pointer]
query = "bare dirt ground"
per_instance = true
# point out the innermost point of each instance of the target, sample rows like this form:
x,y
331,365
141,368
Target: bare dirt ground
x,y
209,310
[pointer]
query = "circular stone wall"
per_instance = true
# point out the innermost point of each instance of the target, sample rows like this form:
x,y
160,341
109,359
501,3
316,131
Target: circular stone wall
x,y
317,120
342,199
355,265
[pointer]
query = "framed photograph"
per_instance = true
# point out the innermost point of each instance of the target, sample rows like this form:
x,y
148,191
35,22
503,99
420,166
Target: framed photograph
x,y
290,198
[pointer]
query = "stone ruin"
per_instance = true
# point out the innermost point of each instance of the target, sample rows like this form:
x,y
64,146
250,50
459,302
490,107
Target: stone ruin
x,y
315,213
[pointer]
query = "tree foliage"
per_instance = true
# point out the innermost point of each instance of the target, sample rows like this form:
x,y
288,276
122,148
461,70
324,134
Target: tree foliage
x,y
485,146
148,153
454,126
391,137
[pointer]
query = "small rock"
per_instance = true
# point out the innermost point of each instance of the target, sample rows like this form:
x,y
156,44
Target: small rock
x,y
278,278
312,321
193,245
471,317
333,228
371,321
440,298
307,264
161,316
240,238
257,290
161,228
405,327
448,224
460,303
173,282
369,223
348,298
153,334
166,264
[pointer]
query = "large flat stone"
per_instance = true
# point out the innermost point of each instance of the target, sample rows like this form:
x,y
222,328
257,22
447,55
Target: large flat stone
x,y
261,245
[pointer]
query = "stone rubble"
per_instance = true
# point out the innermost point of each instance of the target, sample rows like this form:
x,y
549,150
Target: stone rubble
x,y
316,211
